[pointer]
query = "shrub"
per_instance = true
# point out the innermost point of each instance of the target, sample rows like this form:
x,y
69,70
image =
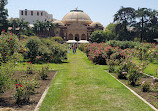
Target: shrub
x,y
8,45
98,36
24,89
33,45
145,86
29,69
123,44
134,73
57,39
58,52
44,72
6,73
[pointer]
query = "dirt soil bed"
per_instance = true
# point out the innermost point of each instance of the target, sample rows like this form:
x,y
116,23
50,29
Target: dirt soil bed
x,y
151,96
7,100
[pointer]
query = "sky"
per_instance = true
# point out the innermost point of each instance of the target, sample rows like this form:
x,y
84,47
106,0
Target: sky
x,y
98,10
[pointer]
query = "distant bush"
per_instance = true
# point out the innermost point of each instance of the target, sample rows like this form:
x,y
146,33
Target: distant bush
x,y
123,44
57,39
98,36
33,45
58,52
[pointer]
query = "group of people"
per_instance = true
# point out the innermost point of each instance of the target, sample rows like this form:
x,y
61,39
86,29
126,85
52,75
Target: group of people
x,y
73,47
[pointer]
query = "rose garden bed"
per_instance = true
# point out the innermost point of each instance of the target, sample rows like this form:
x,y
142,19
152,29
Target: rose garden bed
x,y
7,99
150,96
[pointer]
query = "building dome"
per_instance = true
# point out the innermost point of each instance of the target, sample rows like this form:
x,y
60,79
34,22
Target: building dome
x,y
96,24
57,22
76,15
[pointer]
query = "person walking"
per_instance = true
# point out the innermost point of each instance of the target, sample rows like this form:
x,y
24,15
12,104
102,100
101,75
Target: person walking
x,y
74,48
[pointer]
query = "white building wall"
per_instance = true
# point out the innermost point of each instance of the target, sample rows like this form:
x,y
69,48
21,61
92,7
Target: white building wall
x,y
32,16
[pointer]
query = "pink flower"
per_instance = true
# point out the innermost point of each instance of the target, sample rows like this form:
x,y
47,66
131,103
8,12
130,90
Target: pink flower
x,y
152,84
141,72
124,72
143,82
137,66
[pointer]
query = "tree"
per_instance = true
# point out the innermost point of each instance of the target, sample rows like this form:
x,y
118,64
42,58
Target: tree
x,y
43,28
3,16
124,17
98,36
111,32
143,16
152,26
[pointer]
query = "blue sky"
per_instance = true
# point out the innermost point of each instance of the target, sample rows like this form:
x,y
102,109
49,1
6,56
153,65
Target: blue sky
x,y
98,10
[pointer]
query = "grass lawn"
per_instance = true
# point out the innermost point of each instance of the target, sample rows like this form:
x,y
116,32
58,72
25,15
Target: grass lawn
x,y
80,85
150,68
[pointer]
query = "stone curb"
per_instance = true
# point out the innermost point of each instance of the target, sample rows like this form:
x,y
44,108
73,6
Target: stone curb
x,y
135,93
43,95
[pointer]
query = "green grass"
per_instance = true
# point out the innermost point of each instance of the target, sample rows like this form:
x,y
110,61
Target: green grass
x,y
150,68
83,86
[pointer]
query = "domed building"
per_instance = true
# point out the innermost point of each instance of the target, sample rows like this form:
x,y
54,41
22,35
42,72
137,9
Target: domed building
x,y
76,25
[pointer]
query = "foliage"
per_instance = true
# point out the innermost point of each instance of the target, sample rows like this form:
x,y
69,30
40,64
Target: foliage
x,y
3,16
8,45
6,73
45,50
33,45
29,69
145,86
20,24
44,72
98,36
84,47
24,88
133,23
44,28
134,73
57,39
123,44
58,52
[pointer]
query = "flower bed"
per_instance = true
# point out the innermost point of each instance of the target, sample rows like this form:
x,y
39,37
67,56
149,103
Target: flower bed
x,y
151,96
7,99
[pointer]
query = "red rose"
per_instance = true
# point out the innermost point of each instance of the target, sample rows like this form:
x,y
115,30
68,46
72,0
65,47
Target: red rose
x,y
3,30
10,38
20,85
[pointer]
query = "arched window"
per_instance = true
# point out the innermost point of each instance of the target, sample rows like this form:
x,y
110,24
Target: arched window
x,y
83,37
70,37
77,37
37,13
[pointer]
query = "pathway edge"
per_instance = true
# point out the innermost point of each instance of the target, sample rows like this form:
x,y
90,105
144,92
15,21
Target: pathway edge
x,y
43,95
134,93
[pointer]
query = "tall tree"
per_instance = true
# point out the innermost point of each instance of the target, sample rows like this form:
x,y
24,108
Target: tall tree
x,y
153,26
143,16
3,15
124,17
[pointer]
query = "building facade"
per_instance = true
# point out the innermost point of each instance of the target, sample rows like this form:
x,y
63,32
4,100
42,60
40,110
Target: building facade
x,y
76,25
32,16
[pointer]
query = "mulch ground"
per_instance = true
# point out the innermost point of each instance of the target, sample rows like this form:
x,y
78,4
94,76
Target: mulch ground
x,y
7,99
151,96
